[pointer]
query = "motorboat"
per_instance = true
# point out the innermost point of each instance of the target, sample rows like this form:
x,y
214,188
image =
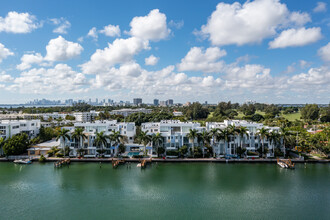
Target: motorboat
x,y
21,161
285,163
282,164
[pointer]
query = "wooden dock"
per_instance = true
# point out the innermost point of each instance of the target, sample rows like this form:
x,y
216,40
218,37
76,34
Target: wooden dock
x,y
62,162
116,163
145,162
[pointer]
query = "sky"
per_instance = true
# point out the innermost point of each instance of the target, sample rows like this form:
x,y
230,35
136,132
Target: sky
x,y
268,51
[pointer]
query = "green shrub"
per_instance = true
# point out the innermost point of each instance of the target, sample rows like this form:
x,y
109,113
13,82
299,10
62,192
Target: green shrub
x,y
252,153
172,153
59,154
42,158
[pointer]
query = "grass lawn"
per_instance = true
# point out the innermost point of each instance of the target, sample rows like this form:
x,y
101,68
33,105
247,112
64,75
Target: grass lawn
x,y
292,117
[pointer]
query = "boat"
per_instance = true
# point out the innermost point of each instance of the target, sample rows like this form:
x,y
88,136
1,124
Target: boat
x,y
281,164
21,161
285,163
138,165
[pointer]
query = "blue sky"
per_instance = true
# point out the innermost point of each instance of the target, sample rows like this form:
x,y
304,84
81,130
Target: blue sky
x,y
265,50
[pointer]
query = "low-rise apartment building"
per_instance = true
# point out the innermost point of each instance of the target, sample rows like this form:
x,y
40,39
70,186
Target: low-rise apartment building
x,y
126,129
11,128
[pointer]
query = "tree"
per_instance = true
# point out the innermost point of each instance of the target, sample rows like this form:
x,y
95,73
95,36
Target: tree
x,y
157,139
183,150
193,133
100,141
16,145
2,142
70,117
121,148
248,109
63,135
117,138
78,134
145,139
310,112
286,135
257,117
242,131
263,132
205,139
274,139
224,134
196,111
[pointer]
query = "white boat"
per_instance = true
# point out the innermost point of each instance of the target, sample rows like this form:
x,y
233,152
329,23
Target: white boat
x,y
281,164
138,165
21,161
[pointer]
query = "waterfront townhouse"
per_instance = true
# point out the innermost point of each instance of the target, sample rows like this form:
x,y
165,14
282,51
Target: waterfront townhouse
x,y
174,132
126,129
128,111
11,128
251,141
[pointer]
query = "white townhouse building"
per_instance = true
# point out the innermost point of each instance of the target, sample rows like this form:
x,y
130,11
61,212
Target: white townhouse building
x,y
11,128
85,116
251,142
126,129
128,111
174,132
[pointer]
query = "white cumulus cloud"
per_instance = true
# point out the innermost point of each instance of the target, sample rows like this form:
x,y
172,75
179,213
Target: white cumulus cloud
x,y
151,27
250,22
4,52
120,51
296,37
151,60
62,25
5,77
111,30
92,33
28,59
320,7
205,61
324,52
18,23
59,49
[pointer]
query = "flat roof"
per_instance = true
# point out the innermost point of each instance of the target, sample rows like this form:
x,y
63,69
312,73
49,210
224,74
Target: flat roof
x,y
51,143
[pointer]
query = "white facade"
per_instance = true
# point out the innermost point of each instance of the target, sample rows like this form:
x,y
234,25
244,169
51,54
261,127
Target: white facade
x,y
127,129
127,112
174,132
251,142
85,116
11,128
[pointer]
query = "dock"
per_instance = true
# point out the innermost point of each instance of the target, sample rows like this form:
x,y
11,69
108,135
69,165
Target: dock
x,y
145,162
62,162
116,163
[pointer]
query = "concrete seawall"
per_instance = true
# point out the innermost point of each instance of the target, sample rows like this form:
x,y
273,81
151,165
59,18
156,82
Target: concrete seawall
x,y
186,160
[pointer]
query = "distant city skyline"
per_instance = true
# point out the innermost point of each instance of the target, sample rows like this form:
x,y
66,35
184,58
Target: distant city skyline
x,y
271,51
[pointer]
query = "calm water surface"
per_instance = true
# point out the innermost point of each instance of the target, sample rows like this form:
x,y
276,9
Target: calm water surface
x,y
164,191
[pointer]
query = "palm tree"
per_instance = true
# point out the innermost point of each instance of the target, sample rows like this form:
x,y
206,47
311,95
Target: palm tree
x,y
100,140
193,133
205,138
225,135
214,132
286,135
2,142
242,131
116,137
157,139
233,130
78,134
274,138
263,133
145,139
63,135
